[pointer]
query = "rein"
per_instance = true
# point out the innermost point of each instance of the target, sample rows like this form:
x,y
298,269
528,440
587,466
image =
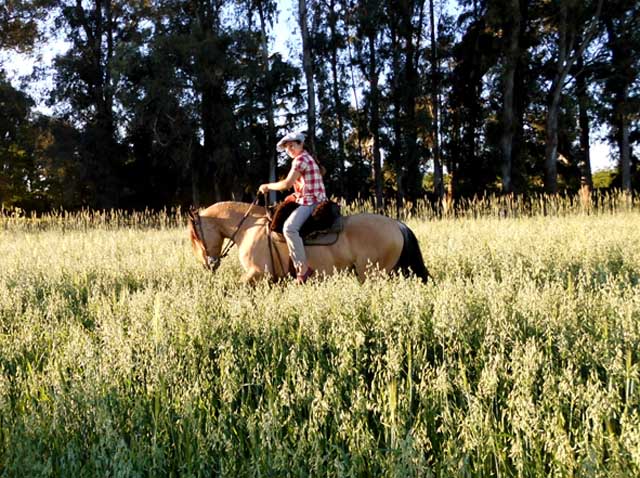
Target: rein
x,y
271,247
213,262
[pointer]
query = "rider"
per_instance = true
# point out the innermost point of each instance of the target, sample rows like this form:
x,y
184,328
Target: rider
x,y
306,178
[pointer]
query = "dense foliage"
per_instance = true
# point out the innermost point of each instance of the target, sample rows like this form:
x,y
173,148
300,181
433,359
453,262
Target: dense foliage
x,y
121,356
170,102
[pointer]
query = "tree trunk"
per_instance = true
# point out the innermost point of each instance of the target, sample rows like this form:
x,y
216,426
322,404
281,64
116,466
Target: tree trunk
x,y
209,143
583,121
620,89
508,107
397,120
271,129
308,73
551,150
438,176
551,128
623,141
336,98
521,101
102,151
375,119
565,62
195,178
413,183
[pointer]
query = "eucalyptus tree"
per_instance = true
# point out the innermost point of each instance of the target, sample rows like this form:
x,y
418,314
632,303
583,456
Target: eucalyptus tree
x,y
571,22
307,66
202,53
512,27
517,62
621,18
441,65
86,83
474,55
15,170
21,181
21,23
438,183
266,11
265,92
368,21
584,78
409,26
329,37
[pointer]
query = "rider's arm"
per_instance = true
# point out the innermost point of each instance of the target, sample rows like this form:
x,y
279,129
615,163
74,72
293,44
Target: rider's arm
x,y
286,183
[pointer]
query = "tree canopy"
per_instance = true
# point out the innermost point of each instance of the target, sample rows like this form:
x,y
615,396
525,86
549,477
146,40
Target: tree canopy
x,y
173,102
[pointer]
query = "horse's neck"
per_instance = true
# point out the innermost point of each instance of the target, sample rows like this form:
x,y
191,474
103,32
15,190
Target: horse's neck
x,y
230,215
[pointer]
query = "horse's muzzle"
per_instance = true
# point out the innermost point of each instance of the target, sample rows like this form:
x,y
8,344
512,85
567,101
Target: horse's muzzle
x,y
213,262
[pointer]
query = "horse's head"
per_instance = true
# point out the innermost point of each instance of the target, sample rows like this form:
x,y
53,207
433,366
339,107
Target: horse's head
x,y
206,241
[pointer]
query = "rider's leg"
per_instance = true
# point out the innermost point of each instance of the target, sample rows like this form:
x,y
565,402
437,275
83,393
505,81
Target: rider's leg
x,y
291,230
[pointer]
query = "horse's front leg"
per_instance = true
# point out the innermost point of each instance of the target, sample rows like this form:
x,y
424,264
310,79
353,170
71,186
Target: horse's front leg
x,y
252,276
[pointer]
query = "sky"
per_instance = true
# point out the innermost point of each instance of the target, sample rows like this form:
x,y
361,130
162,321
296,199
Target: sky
x,y
285,40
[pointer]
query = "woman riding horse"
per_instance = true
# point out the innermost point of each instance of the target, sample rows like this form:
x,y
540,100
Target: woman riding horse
x,y
367,241
306,178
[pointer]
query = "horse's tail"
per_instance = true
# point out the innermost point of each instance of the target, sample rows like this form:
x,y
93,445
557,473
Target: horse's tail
x,y
410,261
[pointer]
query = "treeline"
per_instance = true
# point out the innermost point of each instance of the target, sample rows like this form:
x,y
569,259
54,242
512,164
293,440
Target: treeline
x,y
174,102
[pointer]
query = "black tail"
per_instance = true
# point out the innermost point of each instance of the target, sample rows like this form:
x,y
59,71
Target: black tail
x,y
410,261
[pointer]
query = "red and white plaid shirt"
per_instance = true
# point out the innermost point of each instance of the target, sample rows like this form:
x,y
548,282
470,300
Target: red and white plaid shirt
x,y
309,187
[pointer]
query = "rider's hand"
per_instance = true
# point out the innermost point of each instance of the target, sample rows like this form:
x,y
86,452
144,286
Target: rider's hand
x,y
264,188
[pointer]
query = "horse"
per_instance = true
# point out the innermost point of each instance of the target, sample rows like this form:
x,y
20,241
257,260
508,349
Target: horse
x,y
367,240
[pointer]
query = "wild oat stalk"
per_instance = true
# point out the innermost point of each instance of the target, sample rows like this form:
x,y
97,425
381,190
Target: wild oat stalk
x,y
120,356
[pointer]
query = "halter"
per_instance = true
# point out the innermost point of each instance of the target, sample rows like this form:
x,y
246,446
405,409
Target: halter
x,y
213,262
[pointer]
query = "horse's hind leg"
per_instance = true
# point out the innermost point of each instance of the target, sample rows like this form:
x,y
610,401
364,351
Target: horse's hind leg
x,y
362,268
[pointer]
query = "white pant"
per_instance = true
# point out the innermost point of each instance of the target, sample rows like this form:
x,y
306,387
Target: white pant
x,y
291,231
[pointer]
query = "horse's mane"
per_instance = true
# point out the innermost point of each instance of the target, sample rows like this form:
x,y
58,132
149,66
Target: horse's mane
x,y
221,209
196,243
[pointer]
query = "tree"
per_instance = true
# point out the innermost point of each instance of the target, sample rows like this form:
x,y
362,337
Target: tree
x,y
268,94
16,168
435,102
368,17
410,22
86,86
474,55
583,120
307,65
571,18
623,42
329,39
512,27
20,23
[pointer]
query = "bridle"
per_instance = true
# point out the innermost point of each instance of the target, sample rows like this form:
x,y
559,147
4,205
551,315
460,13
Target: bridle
x,y
213,262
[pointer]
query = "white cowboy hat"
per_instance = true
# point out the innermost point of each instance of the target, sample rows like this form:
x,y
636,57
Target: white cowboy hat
x,y
288,138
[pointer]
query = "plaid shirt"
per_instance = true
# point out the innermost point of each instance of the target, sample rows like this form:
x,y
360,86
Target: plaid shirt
x,y
309,187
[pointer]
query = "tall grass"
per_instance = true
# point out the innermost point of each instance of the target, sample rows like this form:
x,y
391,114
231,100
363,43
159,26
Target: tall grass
x,y
120,356
504,206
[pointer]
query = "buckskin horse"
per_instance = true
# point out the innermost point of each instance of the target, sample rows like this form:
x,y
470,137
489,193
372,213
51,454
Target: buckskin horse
x,y
366,240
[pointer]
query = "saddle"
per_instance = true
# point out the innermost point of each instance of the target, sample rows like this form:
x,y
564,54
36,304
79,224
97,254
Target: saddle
x,y
321,229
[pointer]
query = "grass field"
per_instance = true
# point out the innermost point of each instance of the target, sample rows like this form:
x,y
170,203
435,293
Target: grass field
x,y
120,356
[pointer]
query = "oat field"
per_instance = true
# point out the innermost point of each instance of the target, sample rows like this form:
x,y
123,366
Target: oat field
x,y
121,357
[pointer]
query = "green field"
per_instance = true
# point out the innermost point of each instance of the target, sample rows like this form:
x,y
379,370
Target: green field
x,y
121,356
